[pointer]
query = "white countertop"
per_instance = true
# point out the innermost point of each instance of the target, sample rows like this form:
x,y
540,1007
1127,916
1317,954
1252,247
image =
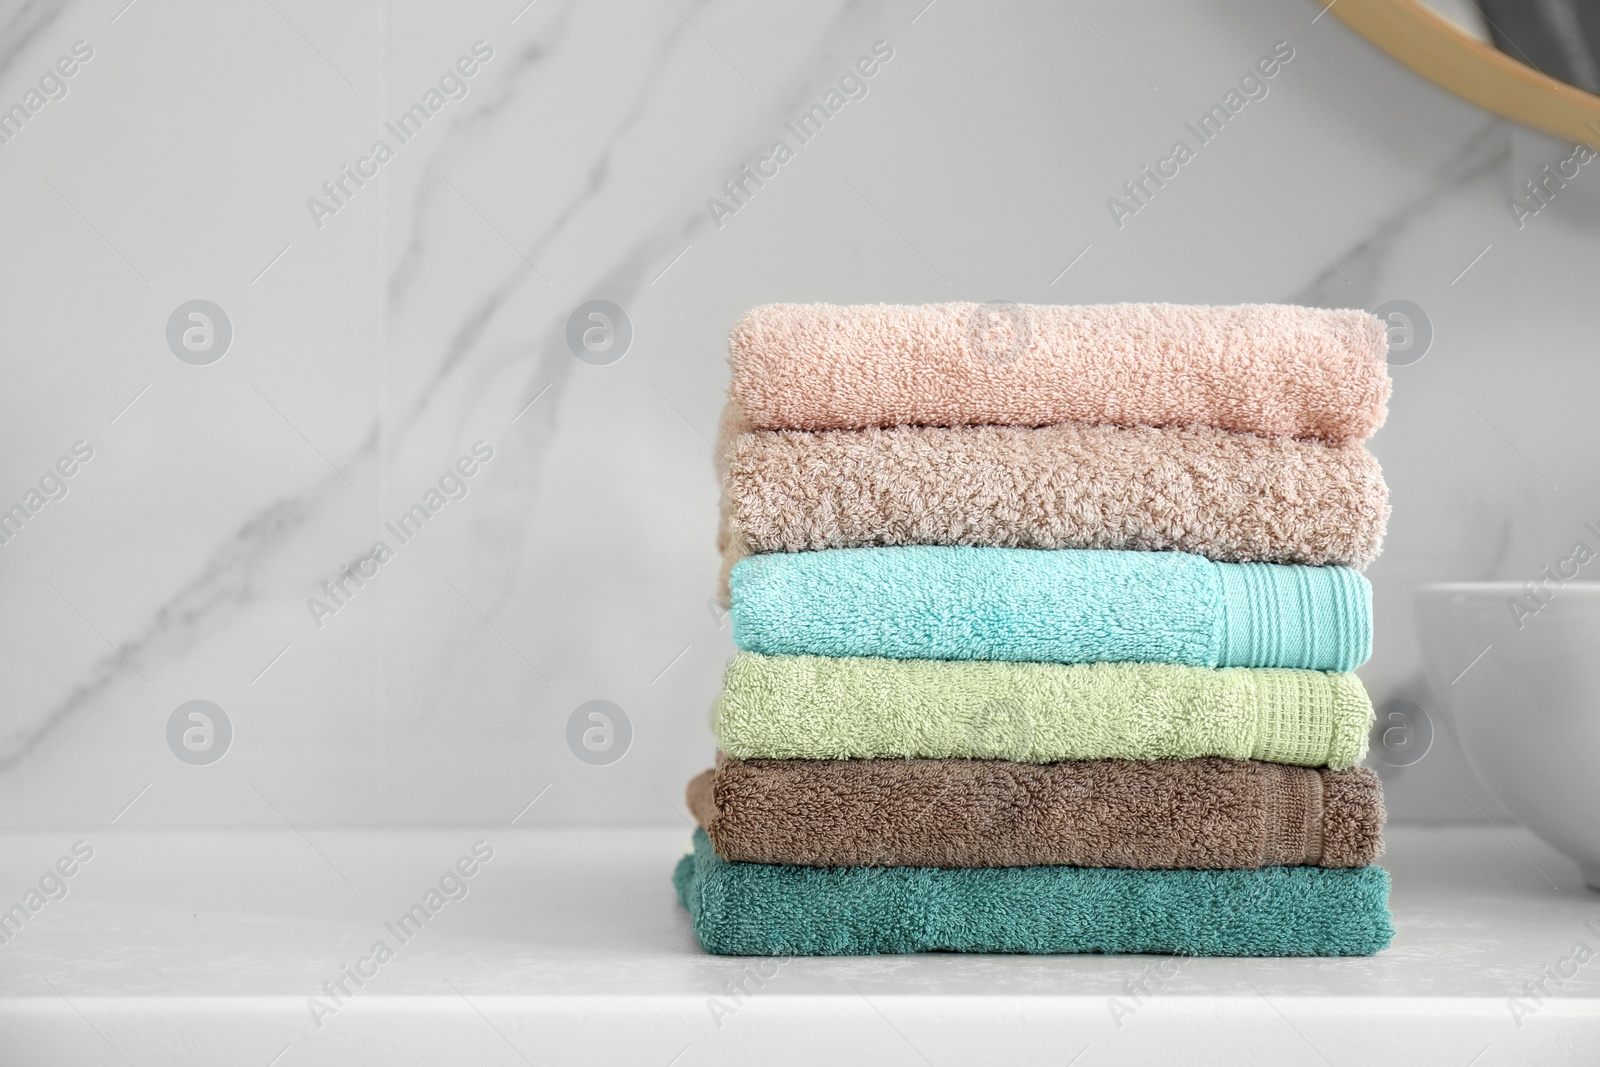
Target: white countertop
x,y
204,947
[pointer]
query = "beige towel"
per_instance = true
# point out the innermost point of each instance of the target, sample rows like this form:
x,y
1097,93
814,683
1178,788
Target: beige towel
x,y
1227,496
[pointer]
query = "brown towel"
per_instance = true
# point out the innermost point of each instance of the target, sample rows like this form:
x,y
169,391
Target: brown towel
x,y
1151,814
1226,496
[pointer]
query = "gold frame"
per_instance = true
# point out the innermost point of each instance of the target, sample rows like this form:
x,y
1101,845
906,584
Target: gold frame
x,y
1430,46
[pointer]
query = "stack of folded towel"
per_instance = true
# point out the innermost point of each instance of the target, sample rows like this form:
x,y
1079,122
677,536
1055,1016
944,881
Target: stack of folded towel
x,y
1046,617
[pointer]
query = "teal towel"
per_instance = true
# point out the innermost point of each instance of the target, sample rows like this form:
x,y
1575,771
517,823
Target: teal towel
x,y
1051,606
760,909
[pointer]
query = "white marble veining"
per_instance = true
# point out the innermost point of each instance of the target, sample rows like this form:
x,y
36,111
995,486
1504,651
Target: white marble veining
x,y
430,311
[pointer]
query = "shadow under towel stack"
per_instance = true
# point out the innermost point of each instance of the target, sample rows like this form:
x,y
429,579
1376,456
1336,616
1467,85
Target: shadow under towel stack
x,y
1046,618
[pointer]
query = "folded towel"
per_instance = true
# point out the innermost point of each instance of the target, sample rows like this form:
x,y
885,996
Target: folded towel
x,y
1255,368
1226,496
1151,814
815,707
760,909
1062,606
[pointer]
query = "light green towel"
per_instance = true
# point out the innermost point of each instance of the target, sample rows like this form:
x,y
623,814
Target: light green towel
x,y
815,707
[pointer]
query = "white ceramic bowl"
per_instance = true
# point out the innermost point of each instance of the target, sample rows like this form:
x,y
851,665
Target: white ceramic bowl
x,y
1521,692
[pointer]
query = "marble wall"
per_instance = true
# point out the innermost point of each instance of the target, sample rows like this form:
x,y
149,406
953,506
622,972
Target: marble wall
x,y
387,326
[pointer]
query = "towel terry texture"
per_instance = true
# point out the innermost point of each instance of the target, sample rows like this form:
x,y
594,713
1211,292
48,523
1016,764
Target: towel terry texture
x,y
1266,369
1235,498
761,909
1147,814
819,707
1060,606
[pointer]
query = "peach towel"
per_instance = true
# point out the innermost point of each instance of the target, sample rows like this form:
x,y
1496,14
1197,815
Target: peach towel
x,y
1267,369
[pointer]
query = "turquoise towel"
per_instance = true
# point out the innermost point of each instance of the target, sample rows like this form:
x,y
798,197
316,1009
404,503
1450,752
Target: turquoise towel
x,y
760,909
1051,606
